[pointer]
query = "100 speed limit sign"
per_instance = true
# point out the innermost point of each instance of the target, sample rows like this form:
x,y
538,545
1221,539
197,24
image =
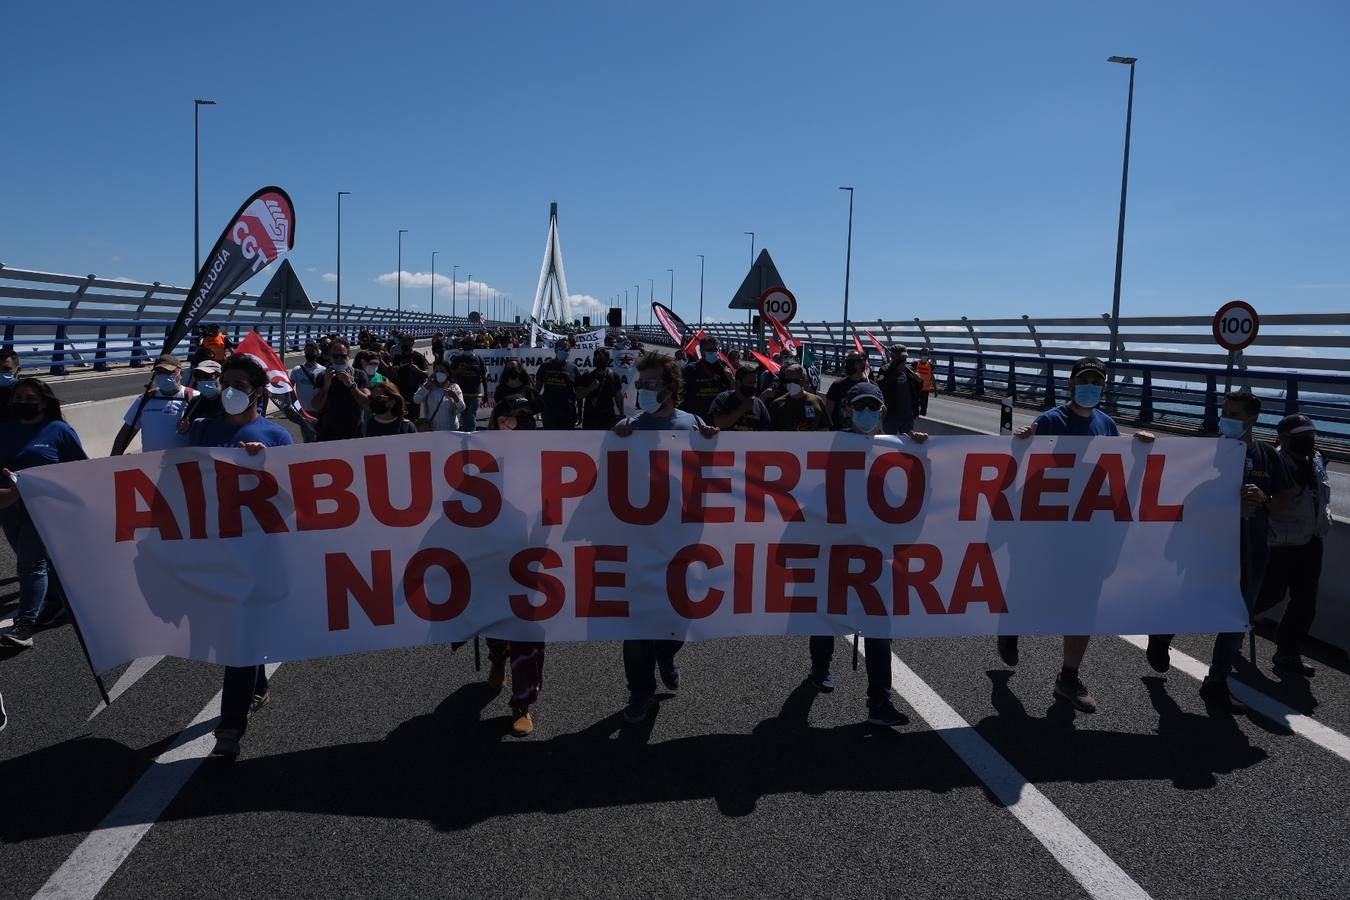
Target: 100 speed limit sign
x,y
779,303
1236,325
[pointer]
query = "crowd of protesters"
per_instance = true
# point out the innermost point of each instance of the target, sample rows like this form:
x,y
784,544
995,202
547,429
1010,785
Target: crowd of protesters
x,y
377,387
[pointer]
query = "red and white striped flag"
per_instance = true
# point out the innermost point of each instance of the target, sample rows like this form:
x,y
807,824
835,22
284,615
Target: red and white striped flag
x,y
261,352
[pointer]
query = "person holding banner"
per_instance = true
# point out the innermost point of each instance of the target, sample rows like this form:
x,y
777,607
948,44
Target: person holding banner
x,y
855,373
515,380
705,378
1080,417
601,393
342,395
440,400
557,382
470,374
37,435
658,392
796,409
156,414
243,388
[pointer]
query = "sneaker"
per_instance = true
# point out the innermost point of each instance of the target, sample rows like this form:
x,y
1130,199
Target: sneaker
x,y
4,716
1070,688
497,674
1285,664
1007,649
20,634
637,710
1219,699
885,713
820,680
227,745
1159,653
258,702
670,677
523,725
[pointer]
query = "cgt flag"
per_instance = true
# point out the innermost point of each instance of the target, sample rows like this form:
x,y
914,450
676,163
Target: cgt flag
x,y
278,379
259,234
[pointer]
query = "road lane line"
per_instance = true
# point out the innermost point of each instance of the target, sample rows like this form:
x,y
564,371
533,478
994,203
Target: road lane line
x,y
1264,705
1075,851
103,850
133,674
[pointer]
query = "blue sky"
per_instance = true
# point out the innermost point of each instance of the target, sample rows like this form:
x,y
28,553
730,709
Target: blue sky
x,y
984,141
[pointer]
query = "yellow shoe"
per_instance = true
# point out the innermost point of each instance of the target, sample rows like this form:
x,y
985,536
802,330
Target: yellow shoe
x,y
497,674
523,725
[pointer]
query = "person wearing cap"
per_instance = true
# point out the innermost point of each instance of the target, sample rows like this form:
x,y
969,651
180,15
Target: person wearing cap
x,y
1079,417
206,402
902,387
1299,519
855,373
156,413
514,412
867,410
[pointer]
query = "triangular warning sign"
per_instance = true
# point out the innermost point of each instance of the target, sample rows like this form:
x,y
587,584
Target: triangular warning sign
x,y
285,284
763,275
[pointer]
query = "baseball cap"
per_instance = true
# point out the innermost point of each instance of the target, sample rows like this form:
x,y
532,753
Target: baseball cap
x,y
899,348
1295,424
1088,364
515,402
167,362
207,367
864,389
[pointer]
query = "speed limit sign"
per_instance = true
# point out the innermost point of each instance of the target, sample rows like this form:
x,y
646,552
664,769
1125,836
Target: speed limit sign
x,y
1236,325
779,303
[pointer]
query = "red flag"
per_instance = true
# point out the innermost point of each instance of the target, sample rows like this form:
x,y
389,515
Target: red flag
x,y
857,343
279,380
785,338
876,343
775,348
768,363
692,348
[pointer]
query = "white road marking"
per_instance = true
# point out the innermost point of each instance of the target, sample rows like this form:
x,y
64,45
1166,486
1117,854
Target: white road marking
x,y
1081,858
133,674
102,852
1262,704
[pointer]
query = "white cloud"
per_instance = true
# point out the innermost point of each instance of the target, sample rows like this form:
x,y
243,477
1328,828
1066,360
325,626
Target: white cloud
x,y
117,259
443,284
125,278
329,276
586,305
312,269
1325,286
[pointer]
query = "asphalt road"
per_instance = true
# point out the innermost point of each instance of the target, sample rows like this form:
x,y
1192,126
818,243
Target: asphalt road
x,y
392,774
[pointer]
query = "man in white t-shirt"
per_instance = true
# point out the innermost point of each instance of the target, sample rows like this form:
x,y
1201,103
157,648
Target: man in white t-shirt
x,y
306,377
156,414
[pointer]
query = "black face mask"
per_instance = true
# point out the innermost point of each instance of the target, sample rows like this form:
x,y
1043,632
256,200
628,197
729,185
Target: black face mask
x,y
379,406
27,409
1303,445
311,357
747,391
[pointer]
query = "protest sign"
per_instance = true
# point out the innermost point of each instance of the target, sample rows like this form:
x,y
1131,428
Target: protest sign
x,y
623,362
349,546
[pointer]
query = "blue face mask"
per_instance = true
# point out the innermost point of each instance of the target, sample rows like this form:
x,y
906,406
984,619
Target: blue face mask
x,y
1232,428
866,420
561,353
166,384
647,400
1087,395
8,379
208,389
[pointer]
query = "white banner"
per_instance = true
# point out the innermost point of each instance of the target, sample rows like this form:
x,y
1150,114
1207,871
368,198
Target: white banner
x,y
538,333
623,362
589,340
329,548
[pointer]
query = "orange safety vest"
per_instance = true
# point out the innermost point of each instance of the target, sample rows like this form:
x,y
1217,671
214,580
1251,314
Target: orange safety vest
x,y
216,344
925,370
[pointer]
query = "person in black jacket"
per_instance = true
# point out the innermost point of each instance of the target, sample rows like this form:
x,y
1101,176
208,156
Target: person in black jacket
x,y
601,393
387,412
903,388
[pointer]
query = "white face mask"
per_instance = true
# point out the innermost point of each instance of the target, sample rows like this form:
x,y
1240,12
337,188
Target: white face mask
x,y
793,389
235,401
442,377
648,400
372,370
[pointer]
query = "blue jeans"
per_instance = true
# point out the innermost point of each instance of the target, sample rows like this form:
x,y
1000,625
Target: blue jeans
x,y
640,659
241,685
468,420
31,561
877,660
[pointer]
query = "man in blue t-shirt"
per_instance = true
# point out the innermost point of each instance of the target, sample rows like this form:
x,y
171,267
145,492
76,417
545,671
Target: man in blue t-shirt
x,y
242,384
658,390
1079,417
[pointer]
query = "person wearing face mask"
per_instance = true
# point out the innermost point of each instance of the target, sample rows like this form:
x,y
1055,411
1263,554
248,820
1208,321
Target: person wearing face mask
x,y
243,385
438,345
902,387
855,373
157,413
470,374
369,362
741,409
440,400
410,370
658,391
796,409
1080,417
601,393
557,381
866,411
341,397
206,401
36,435
1264,478
514,412
703,379
305,377
513,381
1299,519
10,367
387,408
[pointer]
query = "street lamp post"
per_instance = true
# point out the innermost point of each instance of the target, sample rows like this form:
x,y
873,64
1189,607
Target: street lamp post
x,y
637,304
401,233
750,314
1124,185
197,183
651,297
433,282
848,256
700,288
340,195
454,288
672,289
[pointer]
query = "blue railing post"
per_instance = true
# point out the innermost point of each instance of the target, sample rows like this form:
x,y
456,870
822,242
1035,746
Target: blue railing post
x,y
1146,398
951,373
137,351
1050,385
101,354
1012,378
979,373
1210,422
1291,395
9,336
58,355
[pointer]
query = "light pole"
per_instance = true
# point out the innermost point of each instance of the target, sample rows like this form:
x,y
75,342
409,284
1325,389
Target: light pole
x,y
454,287
401,233
700,289
848,256
197,183
651,297
340,195
1124,184
433,282
626,310
752,246
637,303
672,289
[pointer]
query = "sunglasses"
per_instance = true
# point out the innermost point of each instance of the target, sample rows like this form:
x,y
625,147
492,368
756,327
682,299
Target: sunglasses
x,y
866,404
